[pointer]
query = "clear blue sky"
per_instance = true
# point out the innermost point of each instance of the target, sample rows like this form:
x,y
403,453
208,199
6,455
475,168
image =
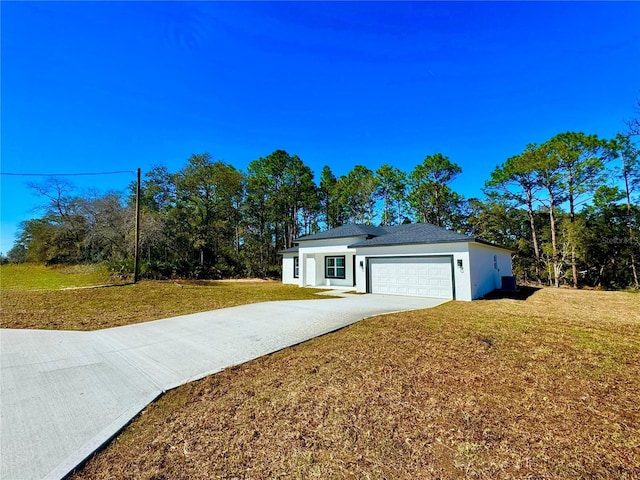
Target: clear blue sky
x,y
101,86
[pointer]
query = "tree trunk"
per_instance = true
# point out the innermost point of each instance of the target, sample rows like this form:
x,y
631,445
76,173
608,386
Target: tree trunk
x,y
633,265
438,208
599,281
534,235
633,257
572,217
554,248
554,244
574,267
385,219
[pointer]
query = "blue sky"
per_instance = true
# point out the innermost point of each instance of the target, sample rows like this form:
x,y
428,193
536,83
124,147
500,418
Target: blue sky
x,y
103,86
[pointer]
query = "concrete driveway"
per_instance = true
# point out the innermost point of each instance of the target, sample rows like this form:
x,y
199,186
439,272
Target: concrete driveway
x,y
64,394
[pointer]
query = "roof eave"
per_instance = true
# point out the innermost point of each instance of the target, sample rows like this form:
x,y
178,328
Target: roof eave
x,y
302,239
489,244
289,250
435,242
396,244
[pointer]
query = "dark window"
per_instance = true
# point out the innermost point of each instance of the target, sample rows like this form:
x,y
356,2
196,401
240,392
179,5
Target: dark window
x,y
334,267
296,267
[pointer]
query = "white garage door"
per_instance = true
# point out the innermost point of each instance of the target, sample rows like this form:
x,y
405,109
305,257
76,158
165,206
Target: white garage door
x,y
416,276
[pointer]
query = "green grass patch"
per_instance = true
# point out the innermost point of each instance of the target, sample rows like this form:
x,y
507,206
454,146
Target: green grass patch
x,y
29,276
97,308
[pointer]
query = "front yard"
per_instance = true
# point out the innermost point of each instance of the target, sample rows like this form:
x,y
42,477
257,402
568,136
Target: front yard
x,y
545,387
35,296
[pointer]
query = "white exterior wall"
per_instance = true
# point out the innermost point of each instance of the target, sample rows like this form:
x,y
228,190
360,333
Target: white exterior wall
x,y
460,251
485,276
287,269
312,257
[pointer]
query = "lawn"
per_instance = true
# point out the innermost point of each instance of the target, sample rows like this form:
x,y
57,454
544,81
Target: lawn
x,y
546,387
31,276
44,299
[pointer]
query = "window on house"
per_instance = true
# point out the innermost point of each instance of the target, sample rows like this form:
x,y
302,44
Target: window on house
x,y
334,267
296,267
495,262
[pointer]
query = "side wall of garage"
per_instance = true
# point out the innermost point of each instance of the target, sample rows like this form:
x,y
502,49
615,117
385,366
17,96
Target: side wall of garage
x,y
458,251
488,264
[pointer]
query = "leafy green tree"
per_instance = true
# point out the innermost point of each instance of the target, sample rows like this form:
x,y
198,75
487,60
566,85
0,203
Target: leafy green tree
x,y
580,160
17,253
331,207
357,192
158,231
391,188
304,198
282,202
609,248
289,192
629,155
205,212
258,247
163,243
499,222
516,183
430,196
630,173
34,241
550,179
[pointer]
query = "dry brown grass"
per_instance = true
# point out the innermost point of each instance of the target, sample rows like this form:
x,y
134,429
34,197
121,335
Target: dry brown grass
x,y
543,388
96,308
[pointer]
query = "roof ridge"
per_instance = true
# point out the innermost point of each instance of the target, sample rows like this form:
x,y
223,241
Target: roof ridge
x,y
347,230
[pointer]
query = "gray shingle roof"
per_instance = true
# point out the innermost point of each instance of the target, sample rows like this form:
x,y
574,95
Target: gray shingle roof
x,y
290,250
353,230
410,234
414,233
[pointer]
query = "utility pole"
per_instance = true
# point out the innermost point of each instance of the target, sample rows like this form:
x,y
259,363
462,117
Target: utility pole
x,y
137,240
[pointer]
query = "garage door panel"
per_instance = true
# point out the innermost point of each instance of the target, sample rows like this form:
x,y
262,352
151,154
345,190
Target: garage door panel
x,y
415,276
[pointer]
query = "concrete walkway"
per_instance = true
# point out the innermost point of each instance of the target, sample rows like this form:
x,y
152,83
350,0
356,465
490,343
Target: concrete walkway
x,y
64,394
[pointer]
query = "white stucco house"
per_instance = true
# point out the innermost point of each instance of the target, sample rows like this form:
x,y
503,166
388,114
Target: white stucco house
x,y
417,259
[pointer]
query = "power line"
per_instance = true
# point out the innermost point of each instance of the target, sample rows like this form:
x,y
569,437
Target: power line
x,y
65,174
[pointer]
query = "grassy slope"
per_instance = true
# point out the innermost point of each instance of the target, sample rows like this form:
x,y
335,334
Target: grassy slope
x,y
96,308
29,276
542,388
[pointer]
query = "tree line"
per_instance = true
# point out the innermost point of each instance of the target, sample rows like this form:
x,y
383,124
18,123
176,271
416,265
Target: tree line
x,y
567,207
